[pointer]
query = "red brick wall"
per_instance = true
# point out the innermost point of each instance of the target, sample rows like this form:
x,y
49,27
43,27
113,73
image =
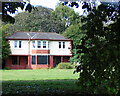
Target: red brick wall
x,y
70,47
22,65
42,66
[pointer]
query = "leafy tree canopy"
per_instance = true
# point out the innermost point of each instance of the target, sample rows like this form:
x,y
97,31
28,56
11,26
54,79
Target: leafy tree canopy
x,y
11,7
65,14
98,51
37,20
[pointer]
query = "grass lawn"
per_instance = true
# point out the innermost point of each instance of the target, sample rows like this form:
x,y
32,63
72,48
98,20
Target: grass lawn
x,y
39,74
41,82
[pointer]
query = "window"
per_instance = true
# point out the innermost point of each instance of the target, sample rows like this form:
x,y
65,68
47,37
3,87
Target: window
x,y
33,60
20,43
26,60
63,44
39,44
44,44
14,60
59,44
15,44
41,59
19,59
33,44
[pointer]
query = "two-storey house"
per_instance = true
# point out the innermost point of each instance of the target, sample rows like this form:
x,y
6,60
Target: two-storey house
x,y
37,50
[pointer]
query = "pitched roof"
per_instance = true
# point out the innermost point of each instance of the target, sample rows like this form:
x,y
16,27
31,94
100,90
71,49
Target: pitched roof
x,y
36,36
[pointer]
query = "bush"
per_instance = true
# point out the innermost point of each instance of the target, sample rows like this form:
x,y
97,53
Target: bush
x,y
64,66
7,68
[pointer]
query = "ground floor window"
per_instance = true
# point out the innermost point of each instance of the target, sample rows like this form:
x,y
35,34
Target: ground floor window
x,y
41,59
26,60
14,60
33,59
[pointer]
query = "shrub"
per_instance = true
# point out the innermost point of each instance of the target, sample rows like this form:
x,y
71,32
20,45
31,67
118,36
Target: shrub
x,y
64,66
7,68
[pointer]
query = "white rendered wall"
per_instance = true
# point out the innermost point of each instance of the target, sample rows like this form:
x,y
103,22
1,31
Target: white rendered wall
x,y
55,50
19,51
53,47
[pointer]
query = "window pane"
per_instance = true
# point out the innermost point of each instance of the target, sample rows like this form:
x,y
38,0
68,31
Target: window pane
x,y
19,59
15,44
39,44
20,44
59,44
26,60
63,44
14,60
41,59
44,44
33,60
33,44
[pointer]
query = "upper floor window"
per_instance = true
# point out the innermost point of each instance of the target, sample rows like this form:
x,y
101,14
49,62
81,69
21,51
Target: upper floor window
x,y
33,43
39,44
59,44
15,44
63,44
20,43
44,44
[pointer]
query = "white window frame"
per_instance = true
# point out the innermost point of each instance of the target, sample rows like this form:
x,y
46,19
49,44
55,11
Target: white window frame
x,y
63,45
44,44
17,44
38,44
60,45
33,44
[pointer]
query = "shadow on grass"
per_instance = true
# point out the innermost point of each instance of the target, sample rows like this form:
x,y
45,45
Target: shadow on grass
x,y
40,88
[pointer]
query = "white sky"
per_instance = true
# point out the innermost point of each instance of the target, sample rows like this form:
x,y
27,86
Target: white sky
x,y
49,4
46,3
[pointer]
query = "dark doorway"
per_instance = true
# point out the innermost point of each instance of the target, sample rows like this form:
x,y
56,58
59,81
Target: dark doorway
x,y
56,60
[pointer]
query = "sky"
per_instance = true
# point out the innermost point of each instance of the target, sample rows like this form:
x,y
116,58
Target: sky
x,y
53,4
46,3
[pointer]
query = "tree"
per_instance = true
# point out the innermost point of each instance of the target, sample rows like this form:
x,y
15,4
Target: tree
x,y
98,51
41,21
5,45
65,14
99,54
11,7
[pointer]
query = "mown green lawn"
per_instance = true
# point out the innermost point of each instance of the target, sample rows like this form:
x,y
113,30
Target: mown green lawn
x,y
40,82
39,74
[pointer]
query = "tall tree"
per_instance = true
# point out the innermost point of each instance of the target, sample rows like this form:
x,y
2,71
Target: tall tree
x,y
65,14
41,20
5,45
98,53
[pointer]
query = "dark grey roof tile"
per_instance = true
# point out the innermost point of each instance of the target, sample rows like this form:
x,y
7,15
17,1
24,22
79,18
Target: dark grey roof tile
x,y
37,35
